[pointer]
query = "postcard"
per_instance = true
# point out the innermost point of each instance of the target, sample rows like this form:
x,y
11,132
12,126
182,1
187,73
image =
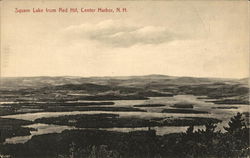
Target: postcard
x,y
124,79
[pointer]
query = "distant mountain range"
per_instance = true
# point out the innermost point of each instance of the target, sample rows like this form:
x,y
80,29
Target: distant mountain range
x,y
135,81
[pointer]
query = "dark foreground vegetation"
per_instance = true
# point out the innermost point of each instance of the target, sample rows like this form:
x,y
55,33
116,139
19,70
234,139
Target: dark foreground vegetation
x,y
140,144
12,127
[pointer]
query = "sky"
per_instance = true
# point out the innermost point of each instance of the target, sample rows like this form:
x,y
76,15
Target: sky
x,y
187,38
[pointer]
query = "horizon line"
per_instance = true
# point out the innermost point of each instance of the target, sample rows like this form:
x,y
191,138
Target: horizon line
x,y
120,76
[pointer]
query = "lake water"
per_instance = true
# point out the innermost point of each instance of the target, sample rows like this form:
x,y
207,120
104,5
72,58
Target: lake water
x,y
152,112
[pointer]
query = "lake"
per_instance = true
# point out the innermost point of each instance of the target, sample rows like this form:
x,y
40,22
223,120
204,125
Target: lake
x,y
152,112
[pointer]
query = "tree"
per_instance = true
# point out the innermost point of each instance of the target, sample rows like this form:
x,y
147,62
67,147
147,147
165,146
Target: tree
x,y
190,130
236,124
210,127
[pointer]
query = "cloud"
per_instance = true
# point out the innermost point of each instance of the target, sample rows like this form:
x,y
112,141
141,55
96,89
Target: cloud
x,y
118,34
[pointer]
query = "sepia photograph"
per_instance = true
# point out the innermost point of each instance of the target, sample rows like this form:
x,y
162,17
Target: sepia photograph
x,y
124,79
